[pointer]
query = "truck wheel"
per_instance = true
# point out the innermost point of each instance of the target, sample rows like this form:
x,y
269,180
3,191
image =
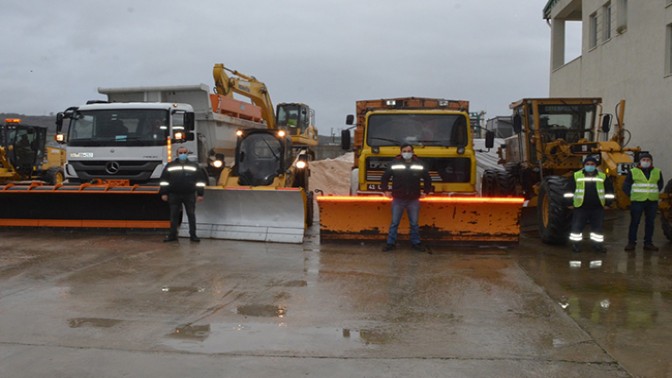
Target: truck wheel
x,y
54,176
310,209
506,184
554,218
489,183
666,214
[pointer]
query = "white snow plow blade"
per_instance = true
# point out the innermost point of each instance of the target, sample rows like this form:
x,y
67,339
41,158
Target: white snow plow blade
x,y
268,215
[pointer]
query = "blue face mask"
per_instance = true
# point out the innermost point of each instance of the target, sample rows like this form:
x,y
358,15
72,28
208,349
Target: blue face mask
x,y
182,157
589,168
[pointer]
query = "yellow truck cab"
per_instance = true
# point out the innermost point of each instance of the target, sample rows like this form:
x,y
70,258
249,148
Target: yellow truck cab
x,y
438,129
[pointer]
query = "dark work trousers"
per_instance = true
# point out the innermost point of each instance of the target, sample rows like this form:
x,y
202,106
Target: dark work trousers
x,y
176,200
649,208
594,216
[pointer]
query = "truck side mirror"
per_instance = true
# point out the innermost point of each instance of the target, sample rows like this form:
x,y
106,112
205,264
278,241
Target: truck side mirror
x,y
606,123
349,119
59,122
345,139
517,124
189,121
489,139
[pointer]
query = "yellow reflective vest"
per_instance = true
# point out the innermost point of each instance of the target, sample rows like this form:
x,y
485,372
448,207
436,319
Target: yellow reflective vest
x,y
579,193
643,189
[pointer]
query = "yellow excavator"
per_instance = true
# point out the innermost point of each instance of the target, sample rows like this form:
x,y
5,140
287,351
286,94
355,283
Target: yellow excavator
x,y
264,195
297,119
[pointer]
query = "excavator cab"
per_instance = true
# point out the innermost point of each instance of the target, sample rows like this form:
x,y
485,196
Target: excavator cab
x,y
298,120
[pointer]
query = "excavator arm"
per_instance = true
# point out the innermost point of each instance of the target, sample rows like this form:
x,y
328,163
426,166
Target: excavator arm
x,y
247,86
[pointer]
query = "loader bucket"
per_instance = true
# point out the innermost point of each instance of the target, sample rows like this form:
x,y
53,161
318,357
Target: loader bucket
x,y
246,213
82,206
442,219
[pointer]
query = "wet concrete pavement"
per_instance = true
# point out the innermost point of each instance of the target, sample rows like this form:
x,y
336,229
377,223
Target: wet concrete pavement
x,y
89,304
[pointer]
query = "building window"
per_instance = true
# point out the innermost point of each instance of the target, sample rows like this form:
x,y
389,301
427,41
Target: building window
x,y
668,50
607,21
621,16
592,31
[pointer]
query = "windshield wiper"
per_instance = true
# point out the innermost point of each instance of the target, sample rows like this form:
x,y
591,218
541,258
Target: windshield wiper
x,y
277,158
440,142
396,143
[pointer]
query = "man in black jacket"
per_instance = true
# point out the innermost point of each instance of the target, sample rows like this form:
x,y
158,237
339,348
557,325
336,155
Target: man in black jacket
x,y
182,183
406,171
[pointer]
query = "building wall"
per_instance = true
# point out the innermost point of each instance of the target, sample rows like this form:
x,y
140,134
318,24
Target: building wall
x,y
633,65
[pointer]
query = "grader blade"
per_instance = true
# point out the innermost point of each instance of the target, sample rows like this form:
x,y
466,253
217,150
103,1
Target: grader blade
x,y
442,219
82,206
268,215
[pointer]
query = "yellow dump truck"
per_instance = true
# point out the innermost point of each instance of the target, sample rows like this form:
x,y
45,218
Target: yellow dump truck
x,y
440,132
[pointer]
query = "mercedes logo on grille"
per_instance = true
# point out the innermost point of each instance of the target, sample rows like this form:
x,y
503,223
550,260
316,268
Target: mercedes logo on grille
x,y
112,167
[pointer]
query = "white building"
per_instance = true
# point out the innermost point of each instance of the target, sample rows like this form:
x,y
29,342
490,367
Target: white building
x,y
626,53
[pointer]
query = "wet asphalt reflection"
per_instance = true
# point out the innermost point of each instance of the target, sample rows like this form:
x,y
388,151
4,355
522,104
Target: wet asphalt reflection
x,y
344,309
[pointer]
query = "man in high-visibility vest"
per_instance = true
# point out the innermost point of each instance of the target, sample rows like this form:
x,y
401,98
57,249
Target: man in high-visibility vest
x,y
590,191
643,184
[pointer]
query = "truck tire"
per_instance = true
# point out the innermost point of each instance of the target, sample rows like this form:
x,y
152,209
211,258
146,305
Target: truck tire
x,y
666,215
54,175
489,183
506,184
310,209
553,216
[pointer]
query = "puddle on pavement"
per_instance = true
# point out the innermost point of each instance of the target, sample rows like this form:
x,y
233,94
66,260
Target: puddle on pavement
x,y
182,289
191,332
92,322
274,338
262,310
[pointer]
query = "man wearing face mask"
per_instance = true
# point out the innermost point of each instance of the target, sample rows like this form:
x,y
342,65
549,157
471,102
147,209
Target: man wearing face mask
x,y
643,184
406,171
182,184
590,191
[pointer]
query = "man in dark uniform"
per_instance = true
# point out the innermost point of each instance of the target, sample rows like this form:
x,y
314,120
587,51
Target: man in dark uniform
x,y
406,171
590,191
182,183
643,184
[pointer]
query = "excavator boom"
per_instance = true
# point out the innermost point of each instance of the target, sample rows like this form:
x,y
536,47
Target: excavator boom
x,y
247,86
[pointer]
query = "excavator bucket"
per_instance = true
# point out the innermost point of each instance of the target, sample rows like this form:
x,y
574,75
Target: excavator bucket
x,y
247,213
82,206
442,219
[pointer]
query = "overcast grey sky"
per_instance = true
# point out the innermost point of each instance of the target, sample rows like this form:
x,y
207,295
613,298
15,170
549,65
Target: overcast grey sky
x,y
325,53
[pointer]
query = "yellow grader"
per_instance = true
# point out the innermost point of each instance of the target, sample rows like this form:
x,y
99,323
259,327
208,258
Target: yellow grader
x,y
551,138
25,155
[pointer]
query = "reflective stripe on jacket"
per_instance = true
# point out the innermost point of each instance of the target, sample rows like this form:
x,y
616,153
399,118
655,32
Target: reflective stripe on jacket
x,y
579,193
183,177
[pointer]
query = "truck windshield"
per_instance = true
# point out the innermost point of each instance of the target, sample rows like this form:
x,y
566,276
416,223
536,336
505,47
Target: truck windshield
x,y
122,127
568,122
259,159
449,130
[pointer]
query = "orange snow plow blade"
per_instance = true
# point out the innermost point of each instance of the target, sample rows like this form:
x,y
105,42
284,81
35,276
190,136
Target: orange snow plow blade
x,y
82,206
459,219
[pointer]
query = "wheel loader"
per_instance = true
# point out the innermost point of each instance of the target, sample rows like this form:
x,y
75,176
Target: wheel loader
x,y
442,138
551,138
264,196
25,155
